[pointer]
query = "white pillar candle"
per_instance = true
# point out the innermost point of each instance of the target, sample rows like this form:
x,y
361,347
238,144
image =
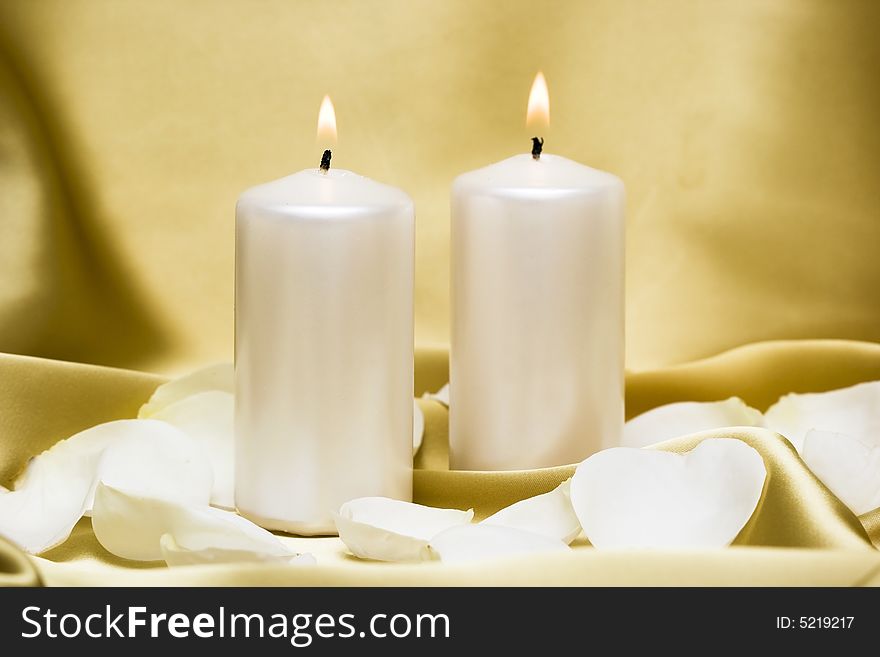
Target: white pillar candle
x,y
323,347
538,313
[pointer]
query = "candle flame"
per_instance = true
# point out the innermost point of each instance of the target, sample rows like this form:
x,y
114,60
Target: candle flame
x,y
538,114
326,123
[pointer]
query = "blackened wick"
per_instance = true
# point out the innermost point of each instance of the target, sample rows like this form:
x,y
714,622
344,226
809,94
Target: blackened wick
x,y
537,147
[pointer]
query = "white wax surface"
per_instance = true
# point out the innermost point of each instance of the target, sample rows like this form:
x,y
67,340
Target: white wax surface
x,y
537,314
324,347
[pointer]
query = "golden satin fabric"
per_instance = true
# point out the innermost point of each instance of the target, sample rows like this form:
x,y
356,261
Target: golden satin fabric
x,y
745,131
779,546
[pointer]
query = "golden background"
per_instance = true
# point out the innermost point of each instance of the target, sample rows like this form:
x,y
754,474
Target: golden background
x,y
746,131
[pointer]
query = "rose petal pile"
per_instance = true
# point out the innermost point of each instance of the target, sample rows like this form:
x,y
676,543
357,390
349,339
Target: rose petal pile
x,y
836,433
142,528
383,529
58,486
147,483
159,487
157,475
621,498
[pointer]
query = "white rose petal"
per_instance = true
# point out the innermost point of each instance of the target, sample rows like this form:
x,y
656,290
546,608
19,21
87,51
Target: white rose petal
x,y
418,427
467,543
156,460
40,517
390,530
682,418
441,396
854,411
220,376
177,555
637,498
848,465
57,487
207,417
131,526
550,514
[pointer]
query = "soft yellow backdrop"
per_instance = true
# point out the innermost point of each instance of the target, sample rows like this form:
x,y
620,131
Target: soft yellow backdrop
x,y
746,132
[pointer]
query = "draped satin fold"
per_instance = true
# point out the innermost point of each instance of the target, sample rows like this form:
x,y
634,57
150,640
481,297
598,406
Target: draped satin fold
x,y
800,533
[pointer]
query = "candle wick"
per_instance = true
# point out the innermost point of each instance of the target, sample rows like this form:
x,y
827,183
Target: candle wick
x,y
325,160
537,147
